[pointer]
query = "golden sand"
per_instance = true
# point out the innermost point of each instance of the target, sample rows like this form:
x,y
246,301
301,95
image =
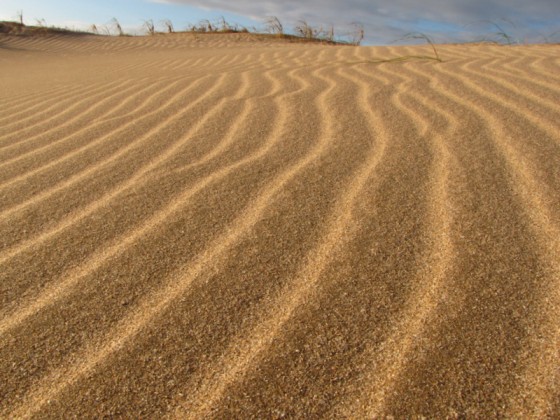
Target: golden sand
x,y
222,226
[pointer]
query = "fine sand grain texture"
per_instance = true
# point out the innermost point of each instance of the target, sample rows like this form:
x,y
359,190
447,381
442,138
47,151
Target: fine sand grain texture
x,y
232,226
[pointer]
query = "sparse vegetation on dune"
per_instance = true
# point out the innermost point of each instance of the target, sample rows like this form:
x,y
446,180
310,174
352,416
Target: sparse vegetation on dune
x,y
168,25
273,27
428,40
303,31
117,26
221,26
502,35
20,29
149,27
506,32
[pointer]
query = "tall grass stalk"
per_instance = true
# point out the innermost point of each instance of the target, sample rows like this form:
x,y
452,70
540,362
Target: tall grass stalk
x,y
501,33
117,26
358,34
304,30
168,25
149,27
274,26
424,37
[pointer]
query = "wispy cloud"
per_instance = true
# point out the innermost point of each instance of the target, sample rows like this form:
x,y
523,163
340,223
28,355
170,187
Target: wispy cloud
x,y
387,20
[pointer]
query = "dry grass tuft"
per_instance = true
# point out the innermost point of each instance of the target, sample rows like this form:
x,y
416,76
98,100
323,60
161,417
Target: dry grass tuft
x,y
117,26
148,25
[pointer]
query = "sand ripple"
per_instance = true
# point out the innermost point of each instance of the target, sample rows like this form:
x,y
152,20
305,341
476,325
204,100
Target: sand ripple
x,y
218,226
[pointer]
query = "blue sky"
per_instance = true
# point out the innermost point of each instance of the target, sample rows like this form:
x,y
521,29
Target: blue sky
x,y
384,21
130,13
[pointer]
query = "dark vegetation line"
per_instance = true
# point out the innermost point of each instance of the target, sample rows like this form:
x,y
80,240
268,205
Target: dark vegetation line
x,y
302,31
273,27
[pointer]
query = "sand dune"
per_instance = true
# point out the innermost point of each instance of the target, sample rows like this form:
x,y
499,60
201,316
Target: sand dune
x,y
221,226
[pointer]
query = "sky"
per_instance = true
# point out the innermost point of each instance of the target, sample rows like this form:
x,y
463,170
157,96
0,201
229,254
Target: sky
x,y
384,21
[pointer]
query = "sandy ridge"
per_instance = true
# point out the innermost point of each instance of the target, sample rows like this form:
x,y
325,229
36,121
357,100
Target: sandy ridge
x,y
234,229
114,130
497,127
533,194
131,181
242,354
155,304
391,359
35,147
